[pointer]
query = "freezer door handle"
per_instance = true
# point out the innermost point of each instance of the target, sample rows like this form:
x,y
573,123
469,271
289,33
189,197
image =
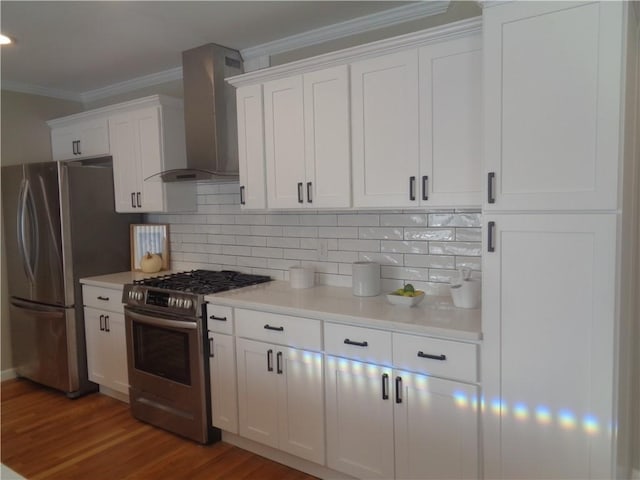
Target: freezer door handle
x,y
35,307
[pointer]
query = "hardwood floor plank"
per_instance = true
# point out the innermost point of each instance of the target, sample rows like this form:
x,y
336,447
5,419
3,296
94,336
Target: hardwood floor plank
x,y
45,435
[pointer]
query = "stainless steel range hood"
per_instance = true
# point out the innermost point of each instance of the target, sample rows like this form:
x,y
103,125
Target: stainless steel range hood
x,y
210,115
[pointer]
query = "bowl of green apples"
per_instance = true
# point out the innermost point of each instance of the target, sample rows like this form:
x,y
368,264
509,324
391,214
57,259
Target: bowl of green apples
x,y
406,297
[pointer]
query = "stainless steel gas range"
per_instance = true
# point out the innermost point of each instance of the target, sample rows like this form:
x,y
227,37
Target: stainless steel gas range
x,y
167,347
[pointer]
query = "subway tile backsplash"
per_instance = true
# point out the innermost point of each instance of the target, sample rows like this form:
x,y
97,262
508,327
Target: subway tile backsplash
x,y
423,247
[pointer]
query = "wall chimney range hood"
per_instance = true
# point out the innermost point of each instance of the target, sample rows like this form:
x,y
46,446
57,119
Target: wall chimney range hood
x,y
209,115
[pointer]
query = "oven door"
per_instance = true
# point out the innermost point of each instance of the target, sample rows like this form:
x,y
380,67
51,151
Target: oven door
x,y
165,357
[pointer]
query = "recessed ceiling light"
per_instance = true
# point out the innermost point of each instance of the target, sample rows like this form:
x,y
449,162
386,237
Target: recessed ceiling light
x,y
4,40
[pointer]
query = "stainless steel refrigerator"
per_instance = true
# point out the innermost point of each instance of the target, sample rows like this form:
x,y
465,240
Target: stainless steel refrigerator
x,y
60,225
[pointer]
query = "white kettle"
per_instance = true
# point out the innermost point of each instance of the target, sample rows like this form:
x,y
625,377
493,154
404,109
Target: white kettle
x,y
465,291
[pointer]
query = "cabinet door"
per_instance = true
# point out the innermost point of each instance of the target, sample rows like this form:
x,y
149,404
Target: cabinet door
x,y
251,147
62,143
436,428
116,354
548,324
257,391
327,138
94,138
284,142
384,113
222,367
147,125
97,349
359,418
552,104
300,403
450,122
126,171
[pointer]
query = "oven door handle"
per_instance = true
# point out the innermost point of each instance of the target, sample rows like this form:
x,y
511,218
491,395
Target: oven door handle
x,y
161,322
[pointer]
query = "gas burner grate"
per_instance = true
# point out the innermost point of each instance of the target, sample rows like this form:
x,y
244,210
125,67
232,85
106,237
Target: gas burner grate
x,y
203,281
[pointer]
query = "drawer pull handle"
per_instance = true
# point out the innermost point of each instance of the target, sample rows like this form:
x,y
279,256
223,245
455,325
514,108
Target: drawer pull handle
x,y
269,360
385,386
279,362
398,389
432,357
220,319
105,299
357,344
277,329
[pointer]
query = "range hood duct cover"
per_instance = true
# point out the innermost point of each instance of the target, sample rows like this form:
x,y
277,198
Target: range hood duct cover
x,y
210,115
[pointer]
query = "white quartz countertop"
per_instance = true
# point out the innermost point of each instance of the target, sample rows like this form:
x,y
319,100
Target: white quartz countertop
x,y
434,316
117,280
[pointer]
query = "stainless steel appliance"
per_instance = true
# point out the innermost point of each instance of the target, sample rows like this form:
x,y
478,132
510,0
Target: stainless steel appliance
x,y
167,347
60,225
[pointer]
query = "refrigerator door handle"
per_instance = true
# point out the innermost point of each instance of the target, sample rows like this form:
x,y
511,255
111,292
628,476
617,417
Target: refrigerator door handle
x,y
22,230
34,246
52,231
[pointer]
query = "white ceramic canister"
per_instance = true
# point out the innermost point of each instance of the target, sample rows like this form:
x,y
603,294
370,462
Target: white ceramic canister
x,y
366,279
301,277
465,291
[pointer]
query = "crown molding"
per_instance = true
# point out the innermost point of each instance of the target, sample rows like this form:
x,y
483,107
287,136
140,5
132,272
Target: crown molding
x,y
42,91
133,84
366,23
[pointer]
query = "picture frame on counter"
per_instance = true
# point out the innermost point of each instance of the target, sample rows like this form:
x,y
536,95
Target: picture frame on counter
x,y
152,238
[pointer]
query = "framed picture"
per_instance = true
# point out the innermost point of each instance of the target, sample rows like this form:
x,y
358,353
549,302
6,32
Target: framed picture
x,y
152,238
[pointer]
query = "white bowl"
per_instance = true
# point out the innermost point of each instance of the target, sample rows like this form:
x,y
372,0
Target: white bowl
x,y
405,301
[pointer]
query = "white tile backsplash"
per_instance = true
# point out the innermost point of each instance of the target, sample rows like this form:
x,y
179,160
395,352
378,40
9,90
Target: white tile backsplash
x,y
422,247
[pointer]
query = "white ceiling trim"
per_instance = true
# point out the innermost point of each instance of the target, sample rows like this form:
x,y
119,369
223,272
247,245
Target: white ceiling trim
x,y
133,84
38,90
374,21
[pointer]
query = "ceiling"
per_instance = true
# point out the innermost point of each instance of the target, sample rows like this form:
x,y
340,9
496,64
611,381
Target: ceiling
x,y
76,47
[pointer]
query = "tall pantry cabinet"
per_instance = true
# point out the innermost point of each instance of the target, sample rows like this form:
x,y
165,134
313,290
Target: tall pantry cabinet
x,y
561,214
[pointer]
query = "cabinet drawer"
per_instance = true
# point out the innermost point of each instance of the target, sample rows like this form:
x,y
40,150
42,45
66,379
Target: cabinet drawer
x,y
358,343
280,329
219,319
432,356
103,298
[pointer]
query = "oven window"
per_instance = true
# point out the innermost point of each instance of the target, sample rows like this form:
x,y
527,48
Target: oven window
x,y
162,352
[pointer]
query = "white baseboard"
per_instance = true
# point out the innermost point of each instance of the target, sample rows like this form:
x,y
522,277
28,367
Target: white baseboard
x,y
635,474
7,374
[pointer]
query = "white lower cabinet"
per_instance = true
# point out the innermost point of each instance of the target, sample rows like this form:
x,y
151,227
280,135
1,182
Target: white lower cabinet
x,y
392,423
222,368
280,398
105,337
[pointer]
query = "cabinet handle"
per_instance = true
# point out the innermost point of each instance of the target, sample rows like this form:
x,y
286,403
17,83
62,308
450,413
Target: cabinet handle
x,y
106,323
220,319
398,389
73,147
300,199
133,200
269,327
138,199
425,187
242,201
79,152
279,363
385,386
211,355
432,357
104,299
102,323
491,180
269,360
491,228
357,344
412,188
309,199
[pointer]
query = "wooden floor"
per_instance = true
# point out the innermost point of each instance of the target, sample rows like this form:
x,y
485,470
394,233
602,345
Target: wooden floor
x,y
47,436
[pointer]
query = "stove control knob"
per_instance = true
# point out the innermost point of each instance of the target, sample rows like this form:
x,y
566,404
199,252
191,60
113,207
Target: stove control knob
x,y
171,302
187,303
139,296
180,302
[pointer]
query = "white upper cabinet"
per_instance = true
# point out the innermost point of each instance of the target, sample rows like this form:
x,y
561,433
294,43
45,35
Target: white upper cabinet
x,y
451,123
147,138
78,139
417,126
251,147
307,140
552,125
385,133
